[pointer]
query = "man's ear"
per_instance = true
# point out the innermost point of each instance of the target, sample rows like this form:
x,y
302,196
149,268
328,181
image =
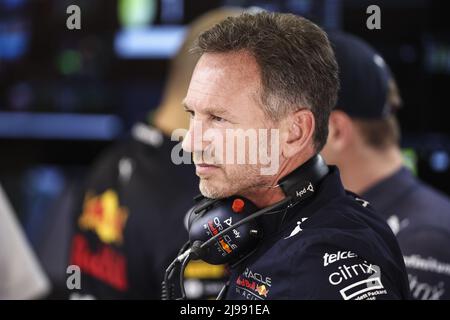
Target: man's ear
x,y
341,130
298,133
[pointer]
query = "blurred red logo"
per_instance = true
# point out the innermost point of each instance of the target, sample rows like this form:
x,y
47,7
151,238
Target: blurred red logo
x,y
103,215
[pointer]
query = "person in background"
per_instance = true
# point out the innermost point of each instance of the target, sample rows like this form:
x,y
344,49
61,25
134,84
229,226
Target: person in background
x,y
21,276
363,142
130,224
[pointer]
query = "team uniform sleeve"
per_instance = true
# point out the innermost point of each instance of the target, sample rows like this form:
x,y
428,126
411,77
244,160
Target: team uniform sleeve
x,y
327,272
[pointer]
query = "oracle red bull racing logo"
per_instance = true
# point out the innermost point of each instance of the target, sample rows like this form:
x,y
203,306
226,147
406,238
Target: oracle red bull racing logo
x,y
252,285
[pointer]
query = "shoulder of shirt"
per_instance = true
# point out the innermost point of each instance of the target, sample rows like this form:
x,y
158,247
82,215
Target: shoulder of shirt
x,y
417,202
432,199
424,208
343,223
345,212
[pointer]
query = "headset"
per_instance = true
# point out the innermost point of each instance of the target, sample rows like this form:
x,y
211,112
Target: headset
x,y
226,231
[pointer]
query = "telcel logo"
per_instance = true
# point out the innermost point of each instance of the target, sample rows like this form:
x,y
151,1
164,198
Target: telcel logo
x,y
331,258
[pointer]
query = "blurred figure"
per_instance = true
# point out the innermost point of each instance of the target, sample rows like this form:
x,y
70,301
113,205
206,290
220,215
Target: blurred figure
x,y
363,142
21,276
131,222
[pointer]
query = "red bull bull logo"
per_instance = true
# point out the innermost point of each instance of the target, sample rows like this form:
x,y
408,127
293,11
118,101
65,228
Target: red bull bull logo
x,y
103,215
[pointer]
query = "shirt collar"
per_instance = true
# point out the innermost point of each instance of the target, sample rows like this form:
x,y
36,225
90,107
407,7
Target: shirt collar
x,y
329,188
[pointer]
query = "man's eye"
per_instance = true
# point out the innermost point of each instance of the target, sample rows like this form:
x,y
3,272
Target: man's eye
x,y
191,113
218,119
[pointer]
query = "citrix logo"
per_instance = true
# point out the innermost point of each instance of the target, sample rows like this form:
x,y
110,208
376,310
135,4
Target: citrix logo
x,y
302,192
348,272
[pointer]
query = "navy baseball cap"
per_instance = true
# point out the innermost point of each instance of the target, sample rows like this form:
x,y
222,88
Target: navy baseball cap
x,y
364,78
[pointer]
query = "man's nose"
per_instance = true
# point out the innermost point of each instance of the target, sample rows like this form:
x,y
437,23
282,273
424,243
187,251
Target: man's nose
x,y
193,141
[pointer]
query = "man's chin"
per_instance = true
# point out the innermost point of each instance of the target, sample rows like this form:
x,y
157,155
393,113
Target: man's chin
x,y
212,192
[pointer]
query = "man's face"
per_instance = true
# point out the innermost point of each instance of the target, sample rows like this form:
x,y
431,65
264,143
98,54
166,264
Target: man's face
x,y
223,96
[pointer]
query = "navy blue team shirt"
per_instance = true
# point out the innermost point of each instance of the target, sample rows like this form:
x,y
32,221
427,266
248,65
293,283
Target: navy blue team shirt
x,y
333,246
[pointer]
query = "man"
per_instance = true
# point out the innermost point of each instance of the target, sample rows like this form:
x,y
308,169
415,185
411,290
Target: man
x,y
364,144
276,73
128,227
21,275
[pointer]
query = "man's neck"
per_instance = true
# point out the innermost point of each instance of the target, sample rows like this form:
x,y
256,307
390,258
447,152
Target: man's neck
x,y
367,168
272,193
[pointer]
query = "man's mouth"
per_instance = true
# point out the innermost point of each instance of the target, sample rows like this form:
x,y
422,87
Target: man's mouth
x,y
202,168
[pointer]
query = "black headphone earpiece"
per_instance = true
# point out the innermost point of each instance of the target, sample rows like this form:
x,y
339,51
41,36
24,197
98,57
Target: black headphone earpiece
x,y
210,217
